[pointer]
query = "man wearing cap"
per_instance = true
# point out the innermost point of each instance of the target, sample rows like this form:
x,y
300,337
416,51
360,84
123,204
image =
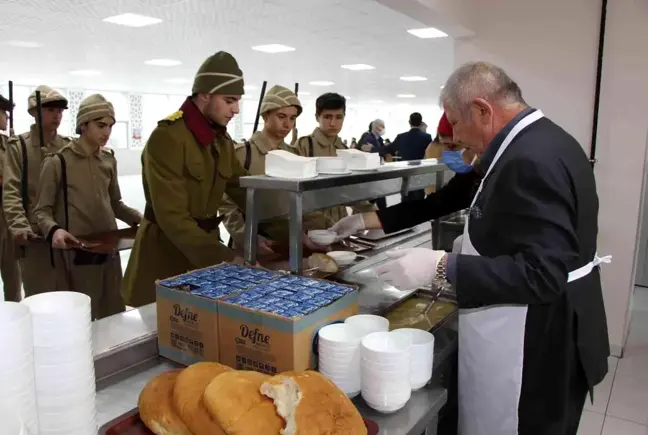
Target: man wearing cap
x,y
189,164
79,194
8,261
324,141
22,166
279,109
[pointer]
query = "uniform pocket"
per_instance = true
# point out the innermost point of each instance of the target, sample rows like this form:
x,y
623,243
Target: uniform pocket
x,y
195,168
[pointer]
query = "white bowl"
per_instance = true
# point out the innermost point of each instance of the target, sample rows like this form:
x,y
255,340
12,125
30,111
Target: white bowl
x,y
331,165
386,409
55,303
341,333
380,344
419,337
343,258
368,323
322,237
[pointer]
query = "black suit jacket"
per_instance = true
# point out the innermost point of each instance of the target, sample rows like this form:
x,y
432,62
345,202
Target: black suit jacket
x,y
410,145
534,222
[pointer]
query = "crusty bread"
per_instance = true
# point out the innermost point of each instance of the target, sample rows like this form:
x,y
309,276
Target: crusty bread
x,y
188,397
156,406
325,263
235,401
312,405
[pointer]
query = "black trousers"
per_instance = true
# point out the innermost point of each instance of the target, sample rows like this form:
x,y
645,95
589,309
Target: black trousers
x,y
415,195
381,203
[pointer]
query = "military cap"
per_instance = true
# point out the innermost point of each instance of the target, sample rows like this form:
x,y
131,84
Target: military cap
x,y
94,107
219,74
49,98
278,97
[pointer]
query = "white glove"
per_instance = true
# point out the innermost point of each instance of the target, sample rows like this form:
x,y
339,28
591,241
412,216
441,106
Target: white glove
x,y
411,268
349,226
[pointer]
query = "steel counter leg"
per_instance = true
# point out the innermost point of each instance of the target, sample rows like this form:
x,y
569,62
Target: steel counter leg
x,y
296,250
436,223
251,227
431,429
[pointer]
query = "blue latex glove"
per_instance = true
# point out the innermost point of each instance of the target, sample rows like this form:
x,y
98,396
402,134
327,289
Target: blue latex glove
x,y
454,160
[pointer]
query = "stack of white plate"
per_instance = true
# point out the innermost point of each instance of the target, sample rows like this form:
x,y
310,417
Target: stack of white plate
x,y
332,166
63,363
11,424
339,356
368,323
385,370
17,391
421,356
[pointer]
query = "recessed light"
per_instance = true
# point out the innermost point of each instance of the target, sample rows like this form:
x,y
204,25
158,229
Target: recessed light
x,y
413,78
304,93
359,67
428,33
249,87
376,101
24,44
163,62
85,72
406,96
273,48
442,86
132,20
178,81
321,83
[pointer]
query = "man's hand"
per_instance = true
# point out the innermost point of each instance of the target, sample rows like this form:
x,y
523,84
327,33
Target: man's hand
x,y
411,268
24,237
64,240
314,247
353,224
264,246
367,147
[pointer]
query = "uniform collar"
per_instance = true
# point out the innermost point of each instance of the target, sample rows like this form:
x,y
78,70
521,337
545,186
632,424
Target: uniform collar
x,y
262,143
492,148
33,130
81,147
325,141
203,130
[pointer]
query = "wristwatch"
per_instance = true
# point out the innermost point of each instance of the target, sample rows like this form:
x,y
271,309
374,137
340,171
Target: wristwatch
x,y
442,269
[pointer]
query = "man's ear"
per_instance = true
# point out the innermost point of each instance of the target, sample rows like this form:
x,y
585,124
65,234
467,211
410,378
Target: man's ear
x,y
483,109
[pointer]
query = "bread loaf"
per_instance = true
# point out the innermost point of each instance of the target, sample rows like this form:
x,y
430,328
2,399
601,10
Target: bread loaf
x,y
156,407
188,397
235,401
323,262
312,405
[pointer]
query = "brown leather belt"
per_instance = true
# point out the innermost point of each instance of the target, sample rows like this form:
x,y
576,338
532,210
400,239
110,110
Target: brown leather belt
x,y
208,225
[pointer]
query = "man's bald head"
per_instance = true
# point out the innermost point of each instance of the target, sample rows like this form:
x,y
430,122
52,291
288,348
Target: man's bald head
x,y
480,99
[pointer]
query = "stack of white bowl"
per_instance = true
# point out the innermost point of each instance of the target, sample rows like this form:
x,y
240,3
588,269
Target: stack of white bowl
x,y
385,370
17,391
63,363
421,355
368,323
11,424
339,356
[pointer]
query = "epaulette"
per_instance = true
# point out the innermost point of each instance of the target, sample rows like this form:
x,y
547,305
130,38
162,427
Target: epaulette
x,y
238,145
172,118
109,151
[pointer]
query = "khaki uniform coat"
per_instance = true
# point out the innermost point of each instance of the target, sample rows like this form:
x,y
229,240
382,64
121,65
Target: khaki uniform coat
x,y
327,147
8,261
278,230
38,274
184,180
93,203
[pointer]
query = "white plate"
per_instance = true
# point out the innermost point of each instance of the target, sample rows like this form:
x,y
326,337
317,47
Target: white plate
x,y
365,169
293,178
347,172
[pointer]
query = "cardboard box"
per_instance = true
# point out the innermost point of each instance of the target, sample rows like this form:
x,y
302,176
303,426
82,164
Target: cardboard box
x,y
252,340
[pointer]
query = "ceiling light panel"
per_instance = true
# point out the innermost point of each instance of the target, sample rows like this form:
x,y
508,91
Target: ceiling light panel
x,y
273,48
163,62
321,83
132,20
24,44
427,33
358,67
85,73
413,78
406,96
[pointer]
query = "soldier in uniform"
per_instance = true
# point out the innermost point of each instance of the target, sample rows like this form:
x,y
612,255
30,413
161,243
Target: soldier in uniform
x,y
324,141
280,108
79,194
8,261
189,164
22,168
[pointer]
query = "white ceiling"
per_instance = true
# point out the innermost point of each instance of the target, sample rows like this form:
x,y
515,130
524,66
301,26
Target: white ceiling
x,y
325,33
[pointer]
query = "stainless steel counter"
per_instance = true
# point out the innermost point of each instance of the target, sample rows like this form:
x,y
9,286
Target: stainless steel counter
x,y
125,348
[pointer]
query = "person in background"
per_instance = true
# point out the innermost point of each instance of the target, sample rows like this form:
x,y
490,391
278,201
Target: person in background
x,y
330,110
372,141
21,177
188,164
280,109
79,194
9,269
410,145
533,337
424,127
354,143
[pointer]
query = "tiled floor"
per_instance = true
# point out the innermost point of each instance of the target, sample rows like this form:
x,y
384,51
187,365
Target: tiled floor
x,y
621,400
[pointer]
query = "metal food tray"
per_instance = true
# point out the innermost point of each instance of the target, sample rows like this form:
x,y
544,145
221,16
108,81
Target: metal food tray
x,y
131,424
447,296
377,235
